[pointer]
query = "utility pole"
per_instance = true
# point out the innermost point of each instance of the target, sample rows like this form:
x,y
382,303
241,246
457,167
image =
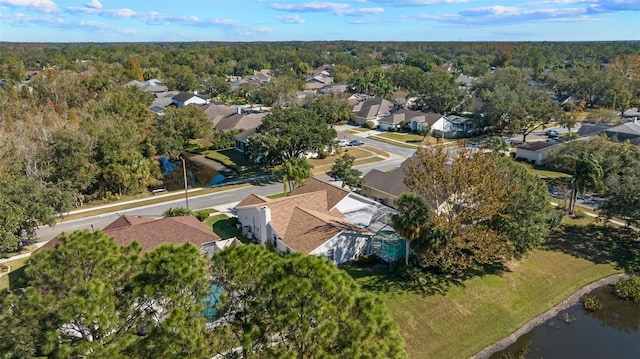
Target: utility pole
x,y
184,172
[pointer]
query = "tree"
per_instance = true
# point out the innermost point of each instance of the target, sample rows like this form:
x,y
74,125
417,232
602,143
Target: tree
x,y
90,297
177,126
586,172
527,217
331,109
440,93
27,204
623,193
497,145
476,205
411,219
509,103
180,78
289,133
299,306
177,212
343,169
295,171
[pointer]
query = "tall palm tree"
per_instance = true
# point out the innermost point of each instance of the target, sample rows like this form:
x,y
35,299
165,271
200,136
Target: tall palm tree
x,y
586,172
411,220
295,171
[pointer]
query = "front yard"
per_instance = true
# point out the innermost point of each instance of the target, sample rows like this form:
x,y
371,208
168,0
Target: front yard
x,y
460,320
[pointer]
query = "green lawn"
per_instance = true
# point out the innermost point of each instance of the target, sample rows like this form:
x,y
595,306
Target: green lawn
x,y
392,142
224,226
467,317
550,174
408,138
14,278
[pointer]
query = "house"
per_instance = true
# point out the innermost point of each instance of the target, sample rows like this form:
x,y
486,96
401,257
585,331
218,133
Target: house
x,y
452,127
628,131
216,111
318,81
395,120
239,121
153,86
385,187
188,98
316,218
427,120
632,114
371,109
151,232
535,152
242,140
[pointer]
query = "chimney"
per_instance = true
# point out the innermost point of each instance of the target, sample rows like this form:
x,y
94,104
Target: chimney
x,y
238,110
265,219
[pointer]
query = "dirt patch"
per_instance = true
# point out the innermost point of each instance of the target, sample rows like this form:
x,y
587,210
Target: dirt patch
x,y
573,299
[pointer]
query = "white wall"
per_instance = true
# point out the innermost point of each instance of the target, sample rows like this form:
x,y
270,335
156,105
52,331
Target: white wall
x,y
346,246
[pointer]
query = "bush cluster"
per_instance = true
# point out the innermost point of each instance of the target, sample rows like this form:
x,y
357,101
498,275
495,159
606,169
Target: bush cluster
x,y
629,288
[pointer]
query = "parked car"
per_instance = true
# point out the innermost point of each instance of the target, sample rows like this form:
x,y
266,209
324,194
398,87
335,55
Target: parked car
x,y
343,143
356,143
552,133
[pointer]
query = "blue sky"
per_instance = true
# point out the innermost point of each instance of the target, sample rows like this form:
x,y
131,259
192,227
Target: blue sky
x,y
363,20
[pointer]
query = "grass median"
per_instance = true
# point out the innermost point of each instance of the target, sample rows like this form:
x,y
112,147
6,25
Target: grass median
x,y
466,318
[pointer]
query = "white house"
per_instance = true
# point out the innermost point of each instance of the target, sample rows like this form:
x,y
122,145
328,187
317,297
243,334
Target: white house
x,y
310,221
535,152
188,98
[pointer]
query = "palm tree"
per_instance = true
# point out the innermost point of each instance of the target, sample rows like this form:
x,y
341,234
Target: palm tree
x,y
295,171
586,172
411,219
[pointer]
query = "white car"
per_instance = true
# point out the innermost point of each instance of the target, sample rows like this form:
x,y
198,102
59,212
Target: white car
x,y
343,143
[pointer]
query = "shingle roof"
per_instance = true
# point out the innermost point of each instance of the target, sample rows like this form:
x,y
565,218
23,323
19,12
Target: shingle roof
x,y
127,221
244,121
624,131
590,129
391,183
183,96
309,229
401,115
151,233
252,199
169,230
334,194
537,146
373,107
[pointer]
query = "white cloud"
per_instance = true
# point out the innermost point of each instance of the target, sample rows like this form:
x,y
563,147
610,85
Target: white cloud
x,y
310,7
94,4
47,6
291,19
361,11
417,2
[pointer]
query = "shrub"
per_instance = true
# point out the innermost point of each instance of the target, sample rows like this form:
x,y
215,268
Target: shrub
x,y
629,288
371,125
579,214
203,214
555,218
591,303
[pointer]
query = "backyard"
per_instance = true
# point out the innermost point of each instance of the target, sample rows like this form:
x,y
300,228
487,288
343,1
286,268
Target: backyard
x,y
435,317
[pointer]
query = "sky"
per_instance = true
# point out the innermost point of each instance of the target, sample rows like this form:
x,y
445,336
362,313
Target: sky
x,y
283,20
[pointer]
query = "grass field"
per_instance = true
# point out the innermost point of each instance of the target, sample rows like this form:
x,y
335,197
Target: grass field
x,y
14,278
464,318
408,138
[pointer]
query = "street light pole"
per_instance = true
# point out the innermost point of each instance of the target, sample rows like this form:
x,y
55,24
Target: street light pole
x,y
184,172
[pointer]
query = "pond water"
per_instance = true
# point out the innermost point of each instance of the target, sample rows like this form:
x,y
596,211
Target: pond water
x,y
198,175
611,332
